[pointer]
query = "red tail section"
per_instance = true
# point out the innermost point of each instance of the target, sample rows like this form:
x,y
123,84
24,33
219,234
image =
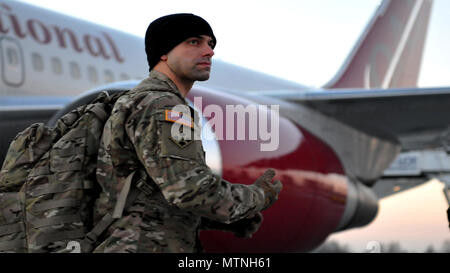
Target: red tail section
x,y
389,52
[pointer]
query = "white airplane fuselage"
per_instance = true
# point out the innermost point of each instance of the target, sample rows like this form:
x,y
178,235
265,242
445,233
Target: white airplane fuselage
x,y
46,53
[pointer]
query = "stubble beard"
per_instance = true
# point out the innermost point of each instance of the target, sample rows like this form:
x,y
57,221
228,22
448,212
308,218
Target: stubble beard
x,y
199,73
194,73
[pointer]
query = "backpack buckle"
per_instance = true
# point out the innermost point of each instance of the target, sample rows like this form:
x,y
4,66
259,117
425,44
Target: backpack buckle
x,y
144,187
91,238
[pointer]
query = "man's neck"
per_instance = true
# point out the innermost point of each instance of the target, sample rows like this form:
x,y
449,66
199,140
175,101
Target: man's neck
x,y
183,86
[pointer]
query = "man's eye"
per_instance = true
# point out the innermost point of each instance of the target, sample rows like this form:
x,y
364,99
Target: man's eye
x,y
194,42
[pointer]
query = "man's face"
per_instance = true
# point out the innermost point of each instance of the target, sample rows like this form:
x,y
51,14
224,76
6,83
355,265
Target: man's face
x,y
191,59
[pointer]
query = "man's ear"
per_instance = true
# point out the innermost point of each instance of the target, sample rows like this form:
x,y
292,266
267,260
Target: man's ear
x,y
163,58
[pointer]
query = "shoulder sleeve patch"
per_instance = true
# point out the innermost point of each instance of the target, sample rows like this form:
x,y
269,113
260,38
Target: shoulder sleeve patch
x,y
178,117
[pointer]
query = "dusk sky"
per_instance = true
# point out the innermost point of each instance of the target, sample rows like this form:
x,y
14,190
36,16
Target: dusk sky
x,y
303,41
415,218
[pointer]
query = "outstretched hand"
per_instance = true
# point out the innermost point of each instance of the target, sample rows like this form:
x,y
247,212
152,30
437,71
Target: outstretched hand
x,y
271,189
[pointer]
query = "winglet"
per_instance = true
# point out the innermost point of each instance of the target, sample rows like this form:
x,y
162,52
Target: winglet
x,y
389,52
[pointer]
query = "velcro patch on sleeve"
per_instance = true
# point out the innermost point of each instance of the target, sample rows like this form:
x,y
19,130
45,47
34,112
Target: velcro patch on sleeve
x,y
179,117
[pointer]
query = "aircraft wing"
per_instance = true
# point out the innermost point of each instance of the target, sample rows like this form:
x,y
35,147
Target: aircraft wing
x,y
417,118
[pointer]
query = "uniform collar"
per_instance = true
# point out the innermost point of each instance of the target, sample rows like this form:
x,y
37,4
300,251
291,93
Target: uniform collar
x,y
158,81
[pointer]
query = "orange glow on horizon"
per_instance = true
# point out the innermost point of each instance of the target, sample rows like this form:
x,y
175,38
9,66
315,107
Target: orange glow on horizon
x,y
415,218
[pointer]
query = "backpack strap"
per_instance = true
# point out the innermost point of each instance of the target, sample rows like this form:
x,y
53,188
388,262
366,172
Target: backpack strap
x,y
91,238
98,111
120,203
138,190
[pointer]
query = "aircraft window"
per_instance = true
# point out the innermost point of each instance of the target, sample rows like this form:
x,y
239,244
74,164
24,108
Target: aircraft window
x,y
92,74
124,77
75,71
109,76
12,56
37,61
57,66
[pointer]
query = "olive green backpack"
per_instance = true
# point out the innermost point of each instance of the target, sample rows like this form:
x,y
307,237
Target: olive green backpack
x,y
48,186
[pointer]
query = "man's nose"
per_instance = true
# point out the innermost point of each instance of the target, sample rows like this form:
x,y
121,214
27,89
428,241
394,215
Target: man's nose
x,y
208,51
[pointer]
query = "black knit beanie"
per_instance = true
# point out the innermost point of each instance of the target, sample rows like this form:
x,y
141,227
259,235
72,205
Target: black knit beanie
x,y
168,31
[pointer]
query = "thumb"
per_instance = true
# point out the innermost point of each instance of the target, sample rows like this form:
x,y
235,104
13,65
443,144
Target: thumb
x,y
267,176
277,186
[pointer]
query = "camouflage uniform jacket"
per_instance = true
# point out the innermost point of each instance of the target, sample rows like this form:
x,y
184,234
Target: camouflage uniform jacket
x,y
137,145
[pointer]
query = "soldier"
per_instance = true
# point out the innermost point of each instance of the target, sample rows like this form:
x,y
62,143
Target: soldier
x,y
178,192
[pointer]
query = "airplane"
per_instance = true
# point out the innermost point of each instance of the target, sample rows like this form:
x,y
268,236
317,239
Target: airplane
x,y
366,134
